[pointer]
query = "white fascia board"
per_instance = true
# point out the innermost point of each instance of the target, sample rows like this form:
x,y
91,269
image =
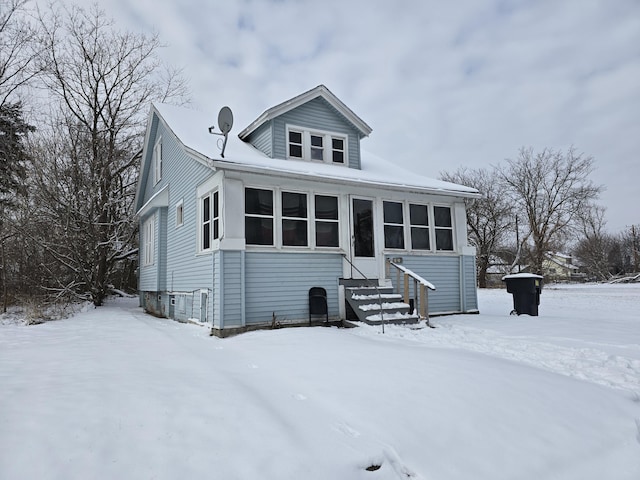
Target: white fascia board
x,y
159,199
144,170
341,181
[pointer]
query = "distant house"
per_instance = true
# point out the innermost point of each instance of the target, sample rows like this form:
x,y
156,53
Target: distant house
x,y
238,241
559,267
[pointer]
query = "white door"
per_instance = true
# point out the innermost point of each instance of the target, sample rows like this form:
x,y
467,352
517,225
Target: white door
x,y
363,251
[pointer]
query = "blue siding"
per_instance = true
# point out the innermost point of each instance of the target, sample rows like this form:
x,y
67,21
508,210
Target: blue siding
x,y
233,278
318,114
185,271
471,292
279,283
262,139
448,274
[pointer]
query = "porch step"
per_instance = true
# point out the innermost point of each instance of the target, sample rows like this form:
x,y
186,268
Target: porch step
x,y
374,305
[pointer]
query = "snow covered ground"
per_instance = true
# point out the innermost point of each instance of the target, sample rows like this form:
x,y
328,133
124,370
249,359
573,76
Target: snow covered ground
x,y
114,393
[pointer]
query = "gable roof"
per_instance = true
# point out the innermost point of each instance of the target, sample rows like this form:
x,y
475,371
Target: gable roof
x,y
319,91
191,129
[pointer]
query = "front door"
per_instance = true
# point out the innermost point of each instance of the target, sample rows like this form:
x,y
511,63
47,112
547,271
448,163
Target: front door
x,y
363,254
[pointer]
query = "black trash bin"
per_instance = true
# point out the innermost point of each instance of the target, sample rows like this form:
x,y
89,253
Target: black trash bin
x,y
526,289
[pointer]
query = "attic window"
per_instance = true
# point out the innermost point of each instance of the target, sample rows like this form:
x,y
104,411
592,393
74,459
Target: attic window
x,y
316,146
295,144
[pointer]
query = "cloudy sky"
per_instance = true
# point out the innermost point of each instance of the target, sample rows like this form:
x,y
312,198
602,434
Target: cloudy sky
x,y
442,84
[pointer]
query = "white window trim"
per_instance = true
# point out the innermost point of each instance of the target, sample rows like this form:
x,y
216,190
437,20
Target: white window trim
x,y
311,220
282,218
405,219
327,144
179,213
157,161
149,243
431,228
213,242
452,228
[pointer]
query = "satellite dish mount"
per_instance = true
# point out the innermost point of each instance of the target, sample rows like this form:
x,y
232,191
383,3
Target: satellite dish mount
x,y
225,122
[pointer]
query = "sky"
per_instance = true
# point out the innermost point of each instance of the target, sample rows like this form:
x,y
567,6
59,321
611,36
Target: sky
x,y
443,85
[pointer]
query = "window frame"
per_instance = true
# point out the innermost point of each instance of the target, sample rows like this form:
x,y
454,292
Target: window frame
x,y
386,224
284,218
420,226
449,228
317,220
278,217
273,216
179,211
308,148
213,222
149,241
157,161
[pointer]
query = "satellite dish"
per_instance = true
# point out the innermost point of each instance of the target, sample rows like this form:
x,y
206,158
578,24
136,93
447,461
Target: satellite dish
x,y
225,120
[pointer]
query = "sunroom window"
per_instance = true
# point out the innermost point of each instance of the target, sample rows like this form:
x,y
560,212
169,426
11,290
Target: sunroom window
x,y
294,219
443,228
210,220
327,224
419,220
258,219
149,232
393,225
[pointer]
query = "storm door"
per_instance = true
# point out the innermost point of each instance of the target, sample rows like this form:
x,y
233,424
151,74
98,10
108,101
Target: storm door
x,y
363,254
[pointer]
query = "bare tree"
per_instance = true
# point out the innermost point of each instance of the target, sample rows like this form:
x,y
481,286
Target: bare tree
x,y
551,188
489,218
18,49
593,249
100,81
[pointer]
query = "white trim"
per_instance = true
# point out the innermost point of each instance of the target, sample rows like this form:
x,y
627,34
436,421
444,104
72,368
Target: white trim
x,y
156,160
159,199
327,144
149,241
179,212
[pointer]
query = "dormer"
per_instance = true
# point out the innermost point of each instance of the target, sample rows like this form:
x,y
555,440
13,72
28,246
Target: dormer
x,y
314,126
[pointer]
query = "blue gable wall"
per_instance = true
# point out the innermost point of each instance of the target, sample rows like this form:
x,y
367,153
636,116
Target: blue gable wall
x,y
270,137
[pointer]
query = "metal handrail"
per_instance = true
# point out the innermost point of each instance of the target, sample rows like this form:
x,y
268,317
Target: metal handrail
x,y
364,277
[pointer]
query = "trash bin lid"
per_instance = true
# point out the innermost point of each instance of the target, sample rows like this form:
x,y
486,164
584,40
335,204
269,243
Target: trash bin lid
x,y
522,275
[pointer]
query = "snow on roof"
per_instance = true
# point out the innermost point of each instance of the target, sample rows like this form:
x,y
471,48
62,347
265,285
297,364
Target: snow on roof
x,y
191,128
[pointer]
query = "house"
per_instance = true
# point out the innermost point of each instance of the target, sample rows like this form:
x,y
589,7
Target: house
x,y
237,241
559,267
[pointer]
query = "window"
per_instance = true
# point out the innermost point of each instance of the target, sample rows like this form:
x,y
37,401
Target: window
x,y
179,213
317,149
393,225
327,225
258,219
209,220
295,144
149,233
294,219
157,161
317,146
419,221
443,228
337,152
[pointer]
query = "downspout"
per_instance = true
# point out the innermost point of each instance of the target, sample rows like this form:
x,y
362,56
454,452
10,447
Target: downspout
x,y
221,288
